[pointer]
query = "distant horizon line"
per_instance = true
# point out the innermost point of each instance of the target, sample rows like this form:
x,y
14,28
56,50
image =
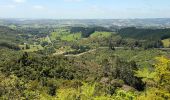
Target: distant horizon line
x,y
80,18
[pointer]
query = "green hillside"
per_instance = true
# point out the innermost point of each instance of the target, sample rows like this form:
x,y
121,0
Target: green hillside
x,y
101,34
8,34
8,38
71,37
144,34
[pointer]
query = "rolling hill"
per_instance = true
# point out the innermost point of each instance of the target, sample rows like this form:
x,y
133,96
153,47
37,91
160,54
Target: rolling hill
x,y
144,34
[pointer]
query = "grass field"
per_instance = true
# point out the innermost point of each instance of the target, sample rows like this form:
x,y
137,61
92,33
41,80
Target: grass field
x,y
63,50
64,35
101,34
67,36
32,48
71,37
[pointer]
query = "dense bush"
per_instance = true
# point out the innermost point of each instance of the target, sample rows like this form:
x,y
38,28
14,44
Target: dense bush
x,y
144,34
9,45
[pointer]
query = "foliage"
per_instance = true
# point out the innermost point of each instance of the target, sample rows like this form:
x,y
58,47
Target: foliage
x,y
166,43
158,81
83,63
124,95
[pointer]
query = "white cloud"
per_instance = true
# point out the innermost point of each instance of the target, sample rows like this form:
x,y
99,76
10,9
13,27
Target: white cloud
x,y
73,0
7,6
19,1
38,7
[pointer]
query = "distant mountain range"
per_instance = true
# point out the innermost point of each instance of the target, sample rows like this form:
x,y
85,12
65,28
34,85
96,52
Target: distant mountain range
x,y
146,23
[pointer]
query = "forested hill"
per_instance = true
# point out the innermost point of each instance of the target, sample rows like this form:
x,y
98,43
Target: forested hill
x,y
7,33
87,31
129,32
8,37
144,34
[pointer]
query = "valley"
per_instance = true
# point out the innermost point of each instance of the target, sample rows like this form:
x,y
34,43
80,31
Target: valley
x,y
47,60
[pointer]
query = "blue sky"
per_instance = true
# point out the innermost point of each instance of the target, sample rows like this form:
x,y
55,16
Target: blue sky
x,y
84,9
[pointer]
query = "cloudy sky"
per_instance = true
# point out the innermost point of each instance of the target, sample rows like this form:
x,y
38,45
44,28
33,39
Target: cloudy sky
x,y
84,9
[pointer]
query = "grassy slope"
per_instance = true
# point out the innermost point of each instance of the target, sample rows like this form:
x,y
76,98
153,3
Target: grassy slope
x,y
64,35
71,37
101,34
32,48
